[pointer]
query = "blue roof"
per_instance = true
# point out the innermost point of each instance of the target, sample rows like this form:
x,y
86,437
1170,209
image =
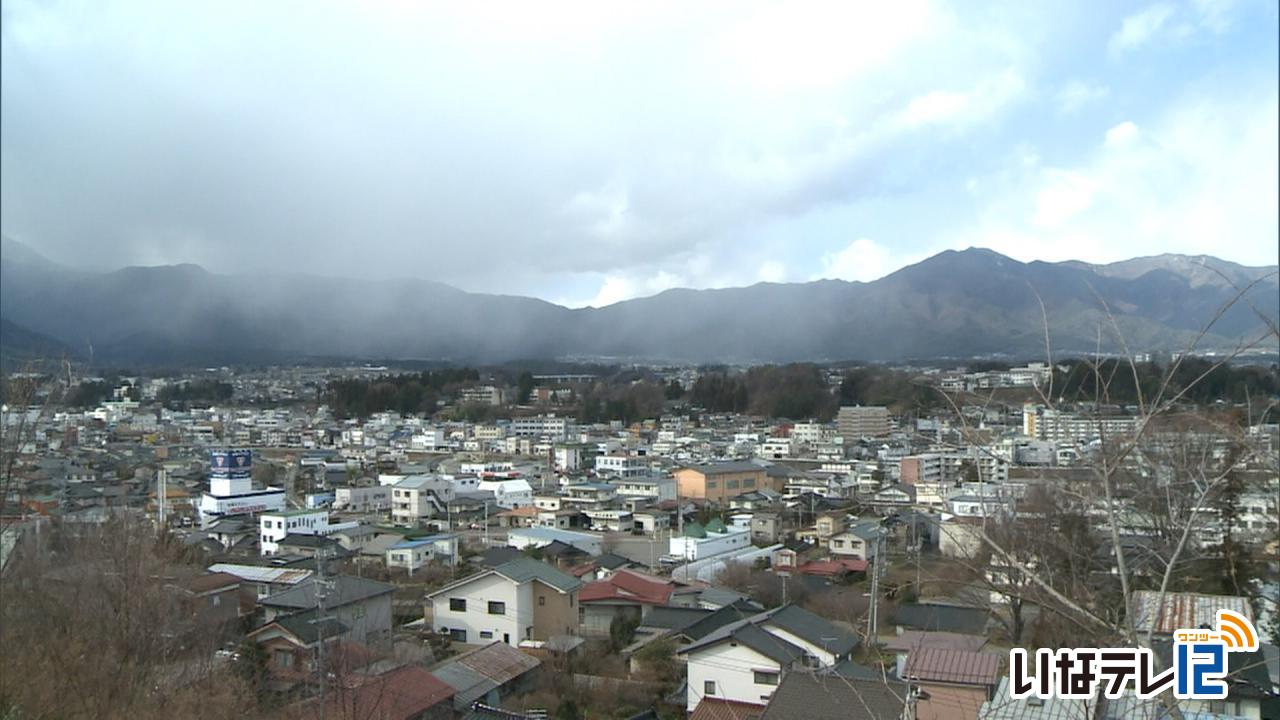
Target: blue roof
x,y
419,542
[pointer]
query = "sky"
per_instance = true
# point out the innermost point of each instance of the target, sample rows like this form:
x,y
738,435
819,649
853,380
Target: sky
x,y
587,152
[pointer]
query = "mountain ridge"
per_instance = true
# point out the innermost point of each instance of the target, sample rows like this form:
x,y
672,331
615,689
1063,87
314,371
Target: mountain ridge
x,y
957,303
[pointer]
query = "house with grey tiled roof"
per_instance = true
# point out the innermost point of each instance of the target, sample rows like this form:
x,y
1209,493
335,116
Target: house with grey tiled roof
x,y
522,599
744,660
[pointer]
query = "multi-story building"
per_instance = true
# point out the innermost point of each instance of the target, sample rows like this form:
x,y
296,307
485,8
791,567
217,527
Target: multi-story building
x,y
856,422
617,465
374,499
231,490
419,497
548,426
1056,426
718,482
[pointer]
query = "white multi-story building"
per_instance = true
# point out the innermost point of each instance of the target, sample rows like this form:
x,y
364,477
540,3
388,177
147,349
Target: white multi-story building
x,y
809,433
375,499
775,448
517,601
274,527
548,426
231,490
419,497
1056,426
621,466
856,422
653,489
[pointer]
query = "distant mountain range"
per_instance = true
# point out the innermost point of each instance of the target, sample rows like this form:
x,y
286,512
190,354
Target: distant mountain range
x,y
954,304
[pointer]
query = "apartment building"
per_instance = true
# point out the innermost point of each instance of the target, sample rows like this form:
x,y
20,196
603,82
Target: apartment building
x,y
419,497
856,422
621,466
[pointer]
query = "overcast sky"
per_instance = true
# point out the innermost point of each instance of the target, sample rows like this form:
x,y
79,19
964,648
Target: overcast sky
x,y
590,152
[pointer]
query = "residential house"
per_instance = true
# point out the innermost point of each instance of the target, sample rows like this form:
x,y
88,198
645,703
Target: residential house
x,y
744,661
418,552
625,594
808,695
362,605
291,643
408,692
955,683
522,599
486,675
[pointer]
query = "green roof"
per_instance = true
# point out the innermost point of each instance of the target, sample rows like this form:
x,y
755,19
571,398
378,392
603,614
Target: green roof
x,y
524,569
716,526
694,530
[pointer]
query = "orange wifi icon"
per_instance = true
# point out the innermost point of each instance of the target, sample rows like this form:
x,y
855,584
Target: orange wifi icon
x,y
1236,631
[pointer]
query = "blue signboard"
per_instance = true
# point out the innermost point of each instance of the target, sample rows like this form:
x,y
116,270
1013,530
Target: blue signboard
x,y
231,463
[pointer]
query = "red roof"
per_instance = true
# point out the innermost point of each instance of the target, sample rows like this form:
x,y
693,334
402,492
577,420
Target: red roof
x,y
580,570
960,667
401,694
829,568
717,709
630,586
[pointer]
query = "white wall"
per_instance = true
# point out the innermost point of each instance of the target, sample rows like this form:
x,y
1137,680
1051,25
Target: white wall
x,y
476,619
733,670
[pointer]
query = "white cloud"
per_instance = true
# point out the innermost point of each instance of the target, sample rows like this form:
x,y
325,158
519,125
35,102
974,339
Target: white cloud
x,y
618,287
1200,178
1076,94
1064,195
1121,135
1137,29
863,260
772,271
975,104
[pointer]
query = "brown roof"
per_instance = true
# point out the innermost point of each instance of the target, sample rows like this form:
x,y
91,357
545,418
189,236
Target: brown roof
x,y
499,662
212,581
1183,610
717,709
960,667
401,694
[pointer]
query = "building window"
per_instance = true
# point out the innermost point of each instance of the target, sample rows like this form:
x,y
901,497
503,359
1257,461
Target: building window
x,y
766,678
497,608
284,658
711,484
749,483
542,600
458,635
486,634
709,687
458,604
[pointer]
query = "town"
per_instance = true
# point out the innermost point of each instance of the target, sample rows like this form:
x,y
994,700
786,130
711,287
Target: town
x,y
606,541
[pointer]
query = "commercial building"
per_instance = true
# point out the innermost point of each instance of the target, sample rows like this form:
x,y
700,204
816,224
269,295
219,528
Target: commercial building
x,y
718,482
231,490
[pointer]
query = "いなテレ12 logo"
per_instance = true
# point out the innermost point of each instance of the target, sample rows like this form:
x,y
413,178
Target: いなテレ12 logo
x,y
1200,666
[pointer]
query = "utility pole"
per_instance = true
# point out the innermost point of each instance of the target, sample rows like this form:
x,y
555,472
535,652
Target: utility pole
x,y
323,586
873,621
162,494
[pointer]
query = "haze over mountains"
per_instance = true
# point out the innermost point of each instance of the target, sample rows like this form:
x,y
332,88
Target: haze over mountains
x,y
954,304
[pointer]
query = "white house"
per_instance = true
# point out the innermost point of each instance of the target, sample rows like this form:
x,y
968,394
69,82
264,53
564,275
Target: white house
x,y
746,660
413,554
523,599
509,494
